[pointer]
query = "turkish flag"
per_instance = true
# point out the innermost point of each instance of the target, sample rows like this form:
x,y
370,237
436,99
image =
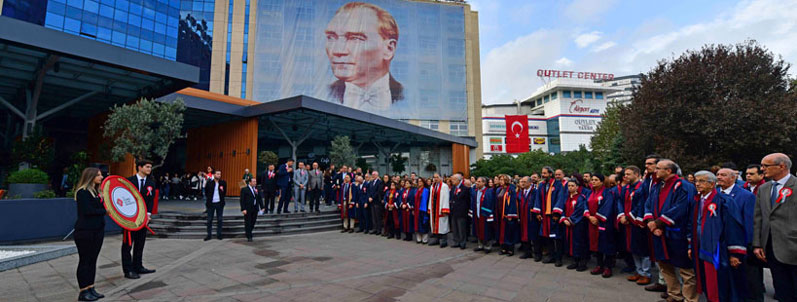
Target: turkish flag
x,y
517,133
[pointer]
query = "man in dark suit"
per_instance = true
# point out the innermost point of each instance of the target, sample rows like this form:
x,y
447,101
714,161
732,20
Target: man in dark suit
x,y
285,183
375,195
460,205
215,191
251,203
132,266
774,228
363,74
269,188
749,275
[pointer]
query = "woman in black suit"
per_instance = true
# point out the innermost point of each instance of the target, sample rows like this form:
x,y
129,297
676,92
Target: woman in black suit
x,y
89,231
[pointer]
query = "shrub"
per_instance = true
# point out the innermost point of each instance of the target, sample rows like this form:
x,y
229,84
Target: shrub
x,y
28,176
44,194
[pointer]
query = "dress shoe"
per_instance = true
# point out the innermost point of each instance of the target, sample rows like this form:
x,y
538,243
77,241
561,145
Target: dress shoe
x,y
596,271
487,250
433,243
665,295
351,230
359,231
219,237
144,270
96,294
581,268
537,258
442,245
502,252
86,295
607,272
525,256
510,254
131,275
643,281
478,249
248,239
462,246
548,260
633,278
453,246
656,287
573,265
558,263
207,238
343,231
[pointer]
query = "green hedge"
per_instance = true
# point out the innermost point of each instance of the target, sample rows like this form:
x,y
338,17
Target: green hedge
x,y
28,176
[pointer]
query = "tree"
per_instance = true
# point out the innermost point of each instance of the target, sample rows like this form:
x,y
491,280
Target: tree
x,y
267,158
362,164
341,152
36,150
607,144
397,163
527,163
144,129
720,103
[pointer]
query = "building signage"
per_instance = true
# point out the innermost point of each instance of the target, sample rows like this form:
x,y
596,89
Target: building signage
x,y
577,107
539,141
549,73
586,124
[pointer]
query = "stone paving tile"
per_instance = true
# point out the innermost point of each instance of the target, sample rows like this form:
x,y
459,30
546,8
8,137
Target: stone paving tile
x,y
316,267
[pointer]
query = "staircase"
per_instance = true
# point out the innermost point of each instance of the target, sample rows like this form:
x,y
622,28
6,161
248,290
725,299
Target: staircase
x,y
193,226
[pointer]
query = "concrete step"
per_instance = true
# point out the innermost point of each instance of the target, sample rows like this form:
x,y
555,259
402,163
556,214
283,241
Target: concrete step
x,y
235,213
255,233
233,220
234,227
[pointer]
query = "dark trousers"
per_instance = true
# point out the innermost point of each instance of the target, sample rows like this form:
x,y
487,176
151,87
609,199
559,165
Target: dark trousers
x,y
249,222
784,277
604,261
539,242
459,230
285,199
215,209
88,243
377,209
364,218
628,258
134,263
269,200
313,198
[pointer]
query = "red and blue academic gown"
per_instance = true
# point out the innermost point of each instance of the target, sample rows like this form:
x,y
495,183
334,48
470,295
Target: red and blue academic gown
x,y
407,197
625,208
392,199
668,206
348,197
525,199
508,233
576,234
601,205
548,202
744,201
482,209
420,211
717,233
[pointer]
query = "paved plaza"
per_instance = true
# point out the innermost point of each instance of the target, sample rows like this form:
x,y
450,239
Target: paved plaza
x,y
326,266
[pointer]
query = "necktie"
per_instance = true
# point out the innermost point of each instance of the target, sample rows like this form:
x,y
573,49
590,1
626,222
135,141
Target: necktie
x,y
774,193
142,185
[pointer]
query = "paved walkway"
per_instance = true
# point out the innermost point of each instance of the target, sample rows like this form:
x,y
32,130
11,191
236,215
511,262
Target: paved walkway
x,y
318,267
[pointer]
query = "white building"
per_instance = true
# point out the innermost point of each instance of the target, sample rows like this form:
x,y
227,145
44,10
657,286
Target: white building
x,y
627,86
563,115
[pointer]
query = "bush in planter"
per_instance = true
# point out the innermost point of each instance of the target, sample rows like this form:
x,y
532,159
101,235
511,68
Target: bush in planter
x,y
28,176
44,194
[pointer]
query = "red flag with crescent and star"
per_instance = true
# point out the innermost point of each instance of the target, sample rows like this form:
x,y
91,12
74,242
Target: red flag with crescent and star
x,y
517,133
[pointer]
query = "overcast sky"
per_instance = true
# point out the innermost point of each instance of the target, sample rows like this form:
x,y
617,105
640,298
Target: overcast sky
x,y
517,37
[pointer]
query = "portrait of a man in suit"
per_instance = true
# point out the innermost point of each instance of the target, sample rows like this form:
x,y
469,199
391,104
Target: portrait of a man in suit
x,y
361,41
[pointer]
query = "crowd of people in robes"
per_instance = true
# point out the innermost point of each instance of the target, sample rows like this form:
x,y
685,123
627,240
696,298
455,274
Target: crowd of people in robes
x,y
710,234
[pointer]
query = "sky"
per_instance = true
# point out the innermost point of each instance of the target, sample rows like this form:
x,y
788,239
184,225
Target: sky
x,y
518,37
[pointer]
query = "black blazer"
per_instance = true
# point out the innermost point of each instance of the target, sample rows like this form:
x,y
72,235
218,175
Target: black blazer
x,y
147,191
249,201
269,184
210,187
338,89
90,212
460,202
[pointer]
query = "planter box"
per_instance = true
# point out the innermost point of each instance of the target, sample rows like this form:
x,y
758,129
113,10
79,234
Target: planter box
x,y
32,220
25,190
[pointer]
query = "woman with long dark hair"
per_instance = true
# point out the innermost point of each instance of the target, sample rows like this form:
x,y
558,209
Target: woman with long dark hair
x,y
89,231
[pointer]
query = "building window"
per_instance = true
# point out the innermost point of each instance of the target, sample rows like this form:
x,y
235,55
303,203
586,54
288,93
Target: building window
x,y
539,102
554,95
458,128
433,125
599,95
566,94
576,94
587,94
545,99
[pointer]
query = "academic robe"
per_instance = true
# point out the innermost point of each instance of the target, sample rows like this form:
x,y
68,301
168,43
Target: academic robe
x,y
407,199
348,196
641,242
576,234
508,232
668,206
717,234
421,209
549,202
625,208
601,205
526,202
363,213
392,199
438,208
482,210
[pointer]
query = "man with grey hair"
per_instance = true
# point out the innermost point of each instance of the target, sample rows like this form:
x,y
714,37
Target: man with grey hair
x,y
482,208
774,228
439,211
375,190
460,204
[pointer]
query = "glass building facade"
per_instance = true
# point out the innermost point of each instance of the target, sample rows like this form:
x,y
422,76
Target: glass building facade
x,y
195,39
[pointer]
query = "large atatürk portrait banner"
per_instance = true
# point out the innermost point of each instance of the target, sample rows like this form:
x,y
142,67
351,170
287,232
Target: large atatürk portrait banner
x,y
400,59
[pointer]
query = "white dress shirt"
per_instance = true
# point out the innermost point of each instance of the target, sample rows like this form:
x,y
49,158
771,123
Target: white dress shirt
x,y
372,98
216,198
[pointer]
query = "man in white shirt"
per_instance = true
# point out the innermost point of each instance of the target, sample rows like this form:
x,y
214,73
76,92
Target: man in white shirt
x,y
215,191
